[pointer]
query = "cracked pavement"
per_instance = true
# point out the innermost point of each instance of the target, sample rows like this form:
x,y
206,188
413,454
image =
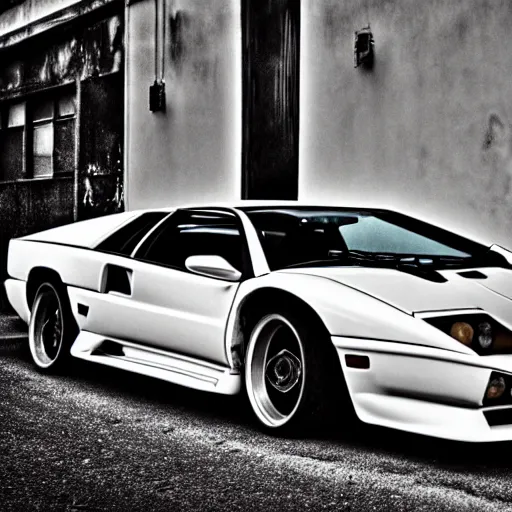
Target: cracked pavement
x,y
98,439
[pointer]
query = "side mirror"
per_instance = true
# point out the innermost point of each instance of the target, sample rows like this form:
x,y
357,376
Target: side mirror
x,y
501,251
213,266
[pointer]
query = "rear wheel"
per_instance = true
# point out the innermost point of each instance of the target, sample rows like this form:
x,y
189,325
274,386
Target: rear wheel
x,y
52,328
289,374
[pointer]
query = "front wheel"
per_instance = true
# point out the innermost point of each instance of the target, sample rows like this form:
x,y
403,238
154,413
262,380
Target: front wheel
x,y
288,373
51,329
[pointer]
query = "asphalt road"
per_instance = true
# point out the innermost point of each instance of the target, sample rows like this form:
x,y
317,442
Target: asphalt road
x,y
100,439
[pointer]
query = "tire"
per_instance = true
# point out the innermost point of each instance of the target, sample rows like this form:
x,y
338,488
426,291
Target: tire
x,y
291,374
52,328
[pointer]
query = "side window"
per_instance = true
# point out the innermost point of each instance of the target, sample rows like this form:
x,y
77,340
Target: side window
x,y
12,143
192,234
125,239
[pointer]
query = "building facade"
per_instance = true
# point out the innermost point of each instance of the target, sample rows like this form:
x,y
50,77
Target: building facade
x,y
61,113
112,104
427,129
263,101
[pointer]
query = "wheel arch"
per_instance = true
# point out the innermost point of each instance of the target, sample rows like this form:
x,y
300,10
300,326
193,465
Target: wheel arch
x,y
250,309
36,277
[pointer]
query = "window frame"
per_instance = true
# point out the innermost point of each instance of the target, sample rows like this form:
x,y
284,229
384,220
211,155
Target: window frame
x,y
128,226
5,129
177,218
54,97
28,129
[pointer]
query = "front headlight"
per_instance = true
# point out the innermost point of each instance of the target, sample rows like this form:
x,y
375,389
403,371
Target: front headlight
x,y
463,332
498,390
495,388
478,331
485,335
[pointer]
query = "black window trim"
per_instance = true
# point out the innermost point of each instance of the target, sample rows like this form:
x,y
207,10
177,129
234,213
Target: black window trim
x,y
247,271
127,222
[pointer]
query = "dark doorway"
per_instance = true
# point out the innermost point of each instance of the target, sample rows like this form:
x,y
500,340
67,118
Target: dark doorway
x,y
271,52
101,146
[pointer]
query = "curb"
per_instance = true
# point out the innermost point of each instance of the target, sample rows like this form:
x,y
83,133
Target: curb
x,y
6,337
13,342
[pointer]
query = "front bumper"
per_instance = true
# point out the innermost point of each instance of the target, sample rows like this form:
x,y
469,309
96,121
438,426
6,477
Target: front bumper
x,y
425,390
17,294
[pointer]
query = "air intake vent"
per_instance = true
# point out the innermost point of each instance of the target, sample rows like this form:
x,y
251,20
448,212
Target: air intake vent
x,y
472,274
498,417
109,348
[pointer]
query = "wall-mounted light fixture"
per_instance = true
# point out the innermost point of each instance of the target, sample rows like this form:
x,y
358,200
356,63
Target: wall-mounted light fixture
x,y
363,48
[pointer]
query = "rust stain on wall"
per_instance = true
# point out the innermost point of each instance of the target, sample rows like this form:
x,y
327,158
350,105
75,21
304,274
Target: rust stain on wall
x,y
497,155
194,46
177,22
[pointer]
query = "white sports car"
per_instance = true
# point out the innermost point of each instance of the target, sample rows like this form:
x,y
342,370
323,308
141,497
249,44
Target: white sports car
x,y
296,305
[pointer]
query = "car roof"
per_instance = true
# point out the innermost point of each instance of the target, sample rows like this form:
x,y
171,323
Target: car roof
x,y
252,205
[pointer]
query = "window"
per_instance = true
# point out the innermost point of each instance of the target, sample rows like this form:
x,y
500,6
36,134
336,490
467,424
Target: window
x,y
64,135
371,234
53,136
125,239
300,236
194,233
12,142
37,136
42,118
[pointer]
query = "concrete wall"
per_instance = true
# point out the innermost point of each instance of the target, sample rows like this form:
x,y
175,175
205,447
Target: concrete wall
x,y
428,130
190,152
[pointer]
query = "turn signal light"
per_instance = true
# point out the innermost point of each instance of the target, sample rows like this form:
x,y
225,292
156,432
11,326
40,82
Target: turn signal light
x,y
495,388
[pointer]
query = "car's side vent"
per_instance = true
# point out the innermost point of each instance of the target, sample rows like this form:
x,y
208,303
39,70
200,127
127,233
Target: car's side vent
x,y
497,417
108,348
83,309
117,279
472,274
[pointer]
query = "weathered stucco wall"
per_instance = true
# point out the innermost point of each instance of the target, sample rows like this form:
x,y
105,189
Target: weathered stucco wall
x,y
428,129
190,152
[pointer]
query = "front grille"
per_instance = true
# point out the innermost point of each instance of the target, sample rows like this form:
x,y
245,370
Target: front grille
x,y
498,417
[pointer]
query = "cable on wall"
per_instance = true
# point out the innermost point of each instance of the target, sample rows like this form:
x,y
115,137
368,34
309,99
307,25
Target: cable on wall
x,y
157,89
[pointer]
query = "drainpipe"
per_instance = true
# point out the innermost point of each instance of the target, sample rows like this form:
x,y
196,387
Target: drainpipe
x,y
126,122
76,174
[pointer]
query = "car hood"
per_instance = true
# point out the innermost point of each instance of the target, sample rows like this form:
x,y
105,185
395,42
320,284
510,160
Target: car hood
x,y
489,289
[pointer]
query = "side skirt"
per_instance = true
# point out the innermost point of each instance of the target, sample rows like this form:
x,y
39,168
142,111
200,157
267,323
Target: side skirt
x,y
153,362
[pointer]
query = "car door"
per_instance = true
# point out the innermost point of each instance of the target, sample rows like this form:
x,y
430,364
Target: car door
x,y
172,308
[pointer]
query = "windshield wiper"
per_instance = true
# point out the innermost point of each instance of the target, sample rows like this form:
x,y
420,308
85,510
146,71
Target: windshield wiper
x,y
319,263
390,260
343,258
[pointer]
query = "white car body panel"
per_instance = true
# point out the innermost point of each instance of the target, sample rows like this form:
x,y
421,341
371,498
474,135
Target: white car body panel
x,y
163,310
183,328
346,311
423,390
411,294
161,364
76,266
17,293
87,233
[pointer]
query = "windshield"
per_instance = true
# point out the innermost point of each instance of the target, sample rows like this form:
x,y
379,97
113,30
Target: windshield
x,y
372,234
294,237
